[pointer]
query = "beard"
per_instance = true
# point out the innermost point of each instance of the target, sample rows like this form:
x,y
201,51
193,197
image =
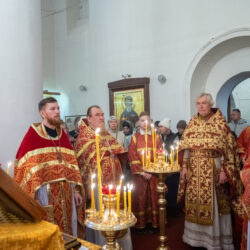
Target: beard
x,y
55,122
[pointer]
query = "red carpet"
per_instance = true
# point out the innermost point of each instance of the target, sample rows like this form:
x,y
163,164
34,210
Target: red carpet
x,y
174,229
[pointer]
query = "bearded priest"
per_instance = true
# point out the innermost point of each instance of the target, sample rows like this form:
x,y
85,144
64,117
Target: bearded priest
x,y
47,169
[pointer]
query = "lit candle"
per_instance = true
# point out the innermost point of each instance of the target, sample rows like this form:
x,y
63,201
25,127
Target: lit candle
x,y
146,140
153,141
110,187
122,177
177,156
92,197
172,156
8,168
143,158
98,169
129,198
118,201
125,199
92,179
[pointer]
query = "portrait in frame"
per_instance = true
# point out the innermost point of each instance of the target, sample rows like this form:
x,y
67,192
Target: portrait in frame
x,y
128,98
69,120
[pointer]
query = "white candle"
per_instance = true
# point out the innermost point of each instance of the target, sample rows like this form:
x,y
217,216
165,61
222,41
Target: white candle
x,y
8,168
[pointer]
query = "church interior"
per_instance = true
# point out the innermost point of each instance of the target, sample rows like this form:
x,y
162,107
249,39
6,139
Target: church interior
x,y
137,62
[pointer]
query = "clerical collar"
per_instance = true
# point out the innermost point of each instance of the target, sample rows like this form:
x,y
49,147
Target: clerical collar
x,y
51,132
144,132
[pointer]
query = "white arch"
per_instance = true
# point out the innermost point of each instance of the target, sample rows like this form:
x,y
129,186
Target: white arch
x,y
206,59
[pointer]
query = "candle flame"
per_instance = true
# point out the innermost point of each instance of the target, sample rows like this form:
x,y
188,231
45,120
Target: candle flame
x,y
125,188
122,177
9,164
146,121
97,131
152,125
142,152
93,176
110,187
130,186
118,188
172,147
93,185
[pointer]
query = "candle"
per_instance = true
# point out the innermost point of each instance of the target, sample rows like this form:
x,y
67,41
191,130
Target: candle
x,y
92,178
164,154
110,187
129,198
98,169
8,168
177,156
118,201
92,197
122,177
125,199
143,158
172,156
146,140
149,156
166,157
153,141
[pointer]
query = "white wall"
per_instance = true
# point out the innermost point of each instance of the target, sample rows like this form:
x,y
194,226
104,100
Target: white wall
x,y
20,70
142,38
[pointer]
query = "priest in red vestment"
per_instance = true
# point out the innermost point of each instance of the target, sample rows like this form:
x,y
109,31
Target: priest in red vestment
x,y
111,152
47,169
145,198
244,151
112,157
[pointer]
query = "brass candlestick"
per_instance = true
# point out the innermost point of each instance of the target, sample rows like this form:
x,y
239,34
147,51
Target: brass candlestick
x,y
161,170
111,225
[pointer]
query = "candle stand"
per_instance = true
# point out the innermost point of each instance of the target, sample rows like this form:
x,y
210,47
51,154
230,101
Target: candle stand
x,y
111,225
161,170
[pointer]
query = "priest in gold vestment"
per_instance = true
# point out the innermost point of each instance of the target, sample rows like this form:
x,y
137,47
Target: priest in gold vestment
x,y
210,180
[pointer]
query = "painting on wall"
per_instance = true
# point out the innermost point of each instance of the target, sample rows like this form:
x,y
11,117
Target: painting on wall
x,y
128,98
70,120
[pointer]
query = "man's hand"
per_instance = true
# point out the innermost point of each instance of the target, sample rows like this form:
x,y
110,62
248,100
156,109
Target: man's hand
x,y
184,173
146,176
223,177
78,199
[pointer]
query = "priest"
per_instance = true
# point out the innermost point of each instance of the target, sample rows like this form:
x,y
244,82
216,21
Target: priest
x,y
47,169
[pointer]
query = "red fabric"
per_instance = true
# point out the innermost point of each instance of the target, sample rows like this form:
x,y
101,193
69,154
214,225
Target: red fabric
x,y
37,163
145,201
86,155
244,150
145,198
32,141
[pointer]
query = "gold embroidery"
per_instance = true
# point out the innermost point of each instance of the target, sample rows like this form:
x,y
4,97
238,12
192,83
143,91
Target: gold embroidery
x,y
65,221
135,162
43,151
41,131
45,165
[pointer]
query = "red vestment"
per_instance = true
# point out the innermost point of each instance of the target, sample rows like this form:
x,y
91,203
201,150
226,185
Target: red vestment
x,y
244,151
144,198
111,153
42,160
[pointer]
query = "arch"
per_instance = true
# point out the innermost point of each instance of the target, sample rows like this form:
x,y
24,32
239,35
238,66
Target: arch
x,y
226,90
223,59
